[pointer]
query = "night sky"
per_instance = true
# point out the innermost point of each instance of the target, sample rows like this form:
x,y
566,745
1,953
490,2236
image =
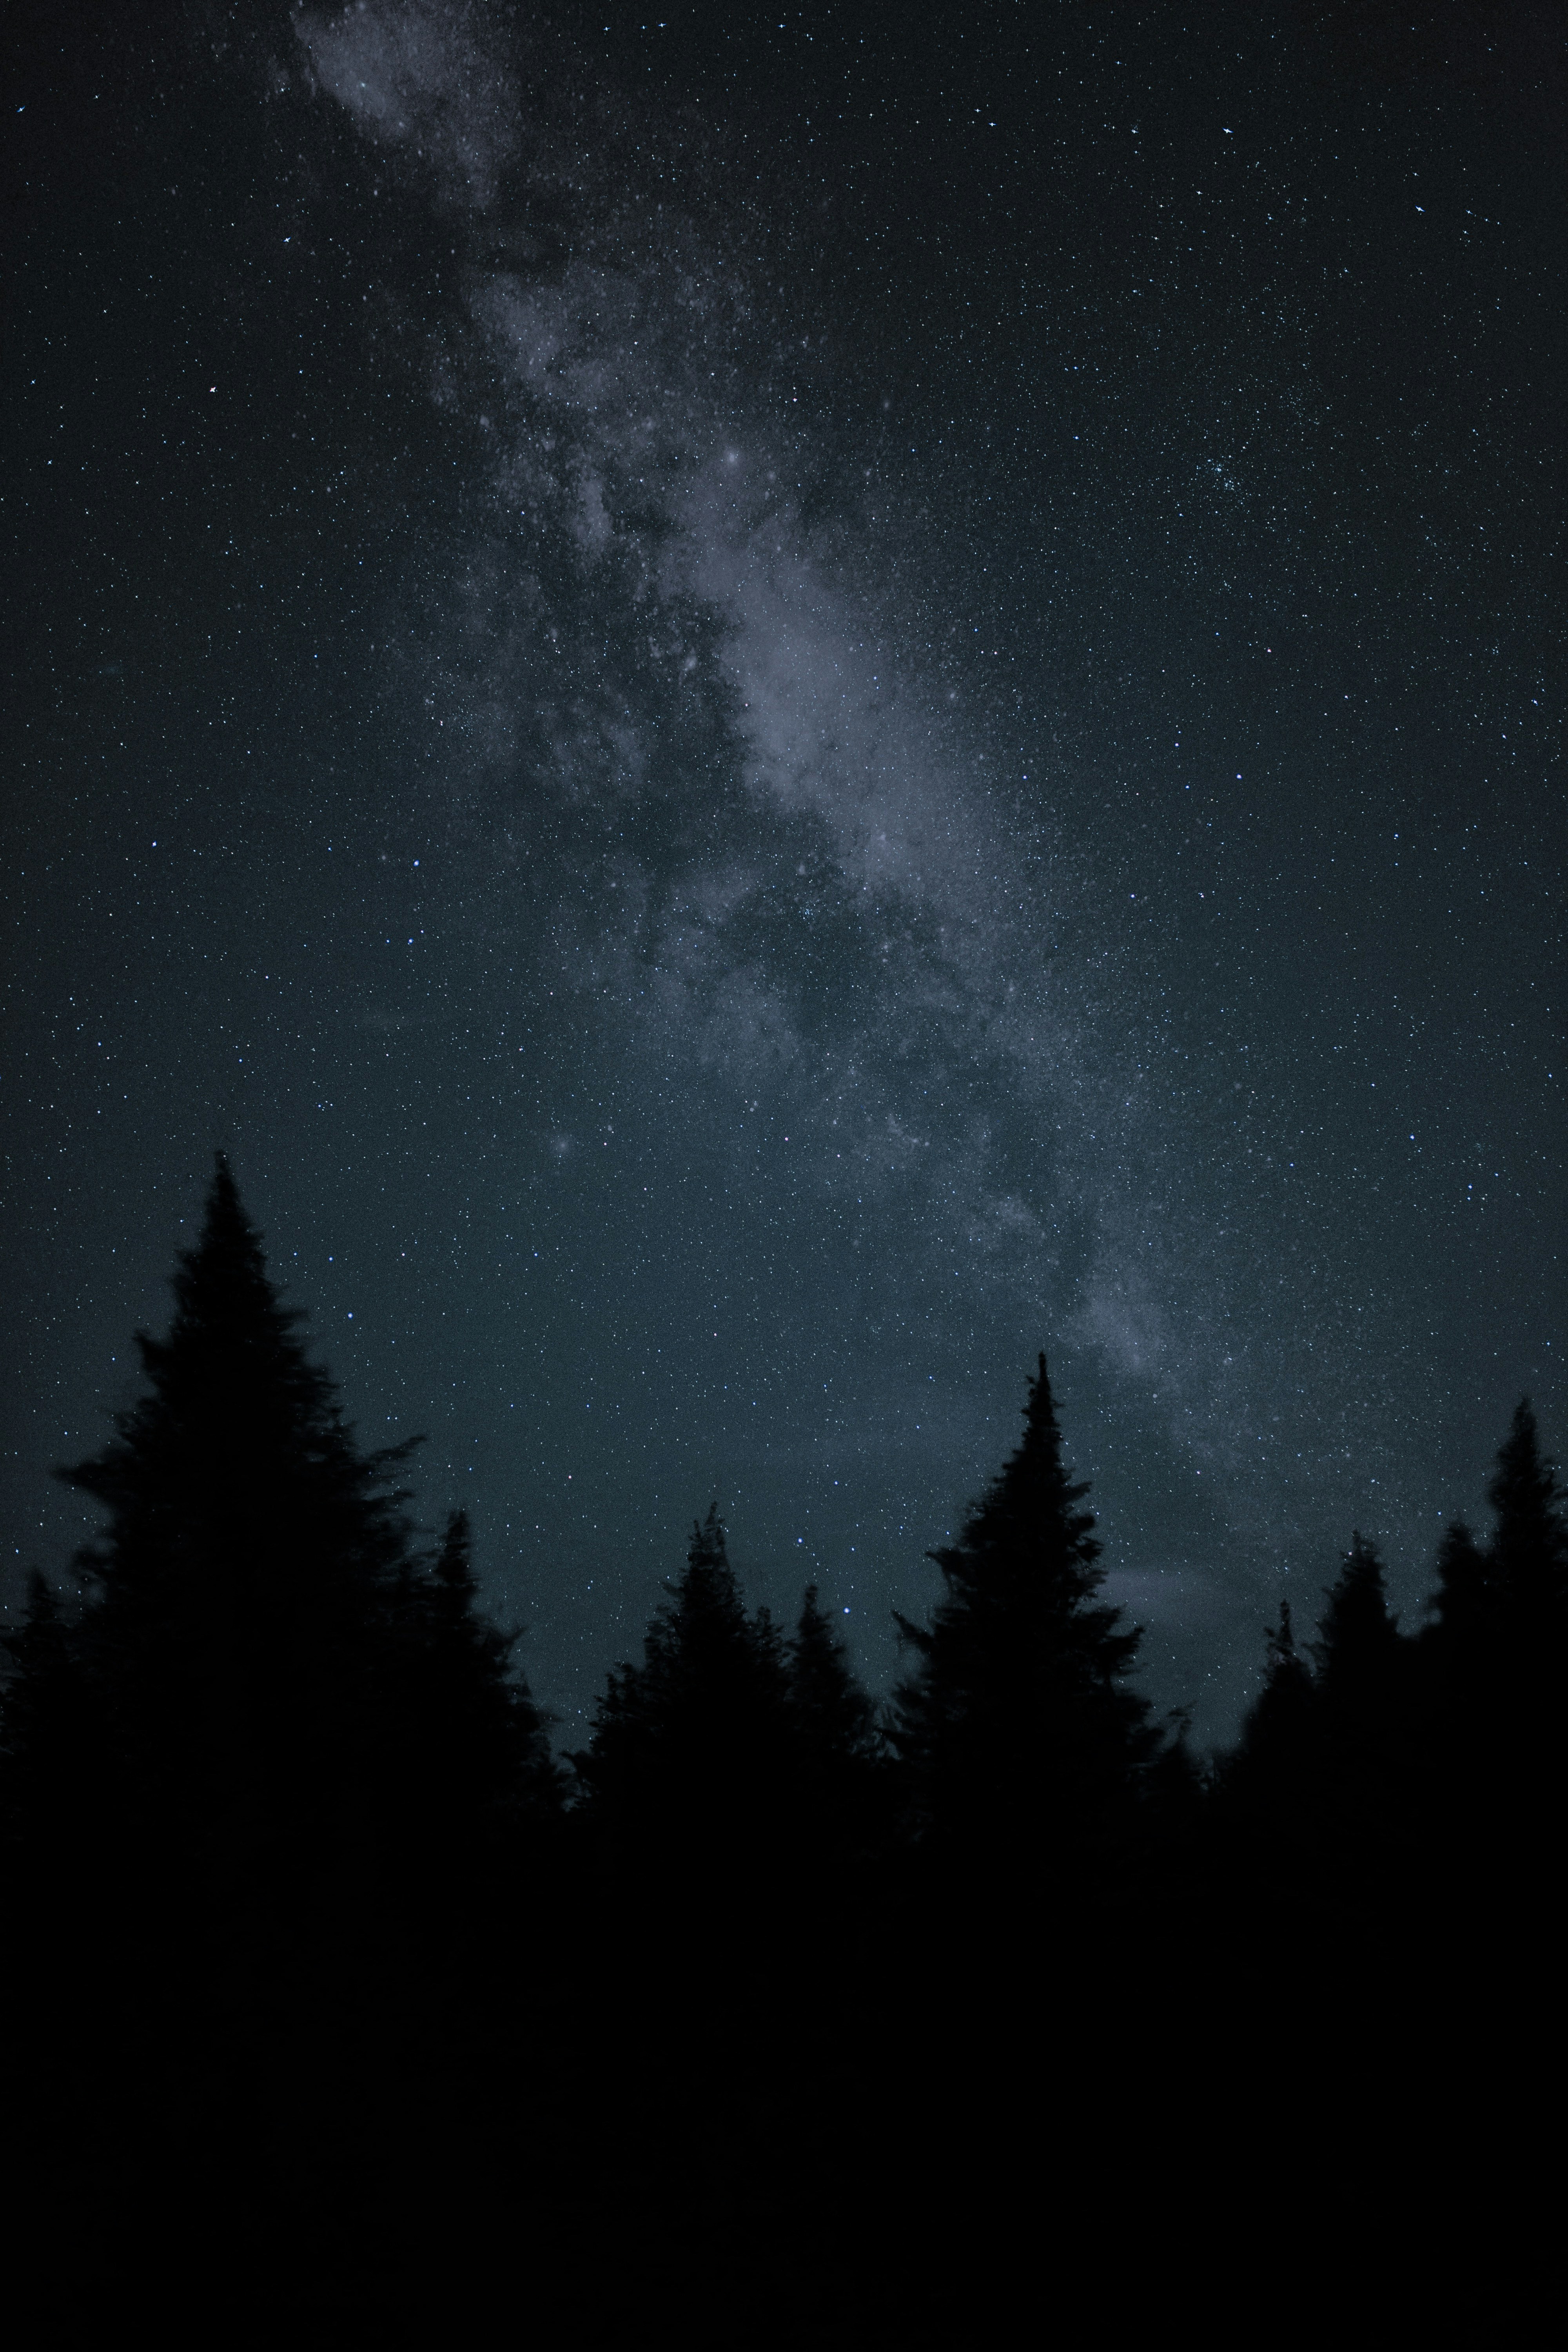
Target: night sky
x,y
769,706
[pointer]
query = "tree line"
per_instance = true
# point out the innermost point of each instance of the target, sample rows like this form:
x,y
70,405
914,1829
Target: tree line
x,y
277,1784
268,1672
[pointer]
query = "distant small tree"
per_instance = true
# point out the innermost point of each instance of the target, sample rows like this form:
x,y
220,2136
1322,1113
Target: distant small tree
x,y
1364,1695
837,1763
1018,1726
1279,1731
1490,1664
1529,1553
474,1749
1500,1614
833,1715
1268,1789
1461,1606
690,1748
1358,1646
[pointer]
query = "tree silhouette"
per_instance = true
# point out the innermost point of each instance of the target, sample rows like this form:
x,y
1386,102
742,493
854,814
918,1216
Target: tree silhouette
x,y
475,1751
1530,1547
838,1761
1491,1744
1268,1789
833,1717
1364,1696
689,1755
1461,1604
1018,1724
1357,1645
233,1647
1277,1733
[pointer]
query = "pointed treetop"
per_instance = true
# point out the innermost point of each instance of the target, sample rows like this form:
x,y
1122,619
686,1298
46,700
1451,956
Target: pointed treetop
x,y
1526,1496
1461,1606
1018,1700
1027,1521
454,1561
709,1585
227,1311
1358,1634
229,1243
707,1548
236,1423
1283,1657
827,1703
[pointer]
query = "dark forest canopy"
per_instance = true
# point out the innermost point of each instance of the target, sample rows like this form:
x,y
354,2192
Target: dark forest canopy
x,y
282,1829
265,1648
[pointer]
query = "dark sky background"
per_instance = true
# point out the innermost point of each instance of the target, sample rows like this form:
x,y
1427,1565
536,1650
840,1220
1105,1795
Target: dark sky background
x,y
768,707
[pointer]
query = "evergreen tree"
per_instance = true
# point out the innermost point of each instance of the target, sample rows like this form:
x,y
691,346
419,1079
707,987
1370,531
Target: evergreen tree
x,y
476,1748
272,1679
1530,1547
1317,1796
1365,1697
838,1756
1278,1735
1491,1651
688,1748
234,1650
1018,1724
833,1717
1269,1791
1461,1606
1358,1646
1493,1728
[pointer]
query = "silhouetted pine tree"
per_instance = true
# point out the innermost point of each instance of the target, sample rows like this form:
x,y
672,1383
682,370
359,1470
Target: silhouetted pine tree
x,y
1365,1697
1491,1743
1358,1649
1268,1791
234,1650
1279,1734
1501,1606
1461,1605
689,1749
832,1715
475,1749
838,1764
1529,1553
1017,1726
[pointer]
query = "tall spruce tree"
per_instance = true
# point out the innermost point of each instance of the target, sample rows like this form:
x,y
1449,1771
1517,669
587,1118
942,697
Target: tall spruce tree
x,y
234,1648
1018,1726
262,1654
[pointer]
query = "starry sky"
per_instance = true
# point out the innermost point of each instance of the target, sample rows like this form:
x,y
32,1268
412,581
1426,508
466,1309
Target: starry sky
x,y
769,706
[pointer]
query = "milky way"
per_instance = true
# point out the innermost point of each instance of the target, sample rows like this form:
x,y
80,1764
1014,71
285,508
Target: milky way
x,y
870,818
